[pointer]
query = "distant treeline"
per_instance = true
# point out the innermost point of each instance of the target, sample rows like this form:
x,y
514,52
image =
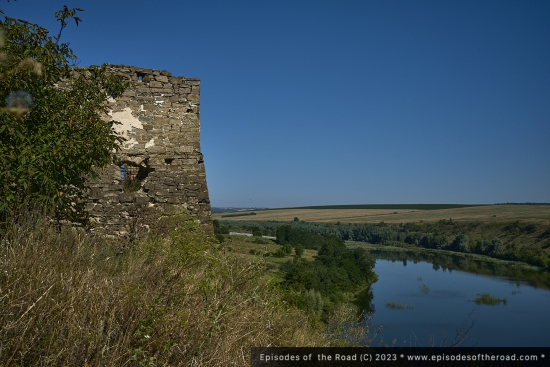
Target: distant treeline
x,y
238,215
412,234
522,204
391,206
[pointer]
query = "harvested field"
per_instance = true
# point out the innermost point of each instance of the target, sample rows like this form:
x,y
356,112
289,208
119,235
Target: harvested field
x,y
488,213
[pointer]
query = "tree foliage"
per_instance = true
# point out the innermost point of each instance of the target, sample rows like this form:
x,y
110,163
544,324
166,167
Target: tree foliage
x,y
335,271
445,235
52,135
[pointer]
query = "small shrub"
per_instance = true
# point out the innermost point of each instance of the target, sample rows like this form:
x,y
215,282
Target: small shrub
x,y
131,185
398,305
287,248
280,253
314,301
487,299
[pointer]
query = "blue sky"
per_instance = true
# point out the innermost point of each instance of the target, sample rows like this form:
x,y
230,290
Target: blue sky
x,y
344,102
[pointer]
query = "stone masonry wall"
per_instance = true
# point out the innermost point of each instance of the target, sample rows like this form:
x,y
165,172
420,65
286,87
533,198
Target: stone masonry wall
x,y
161,158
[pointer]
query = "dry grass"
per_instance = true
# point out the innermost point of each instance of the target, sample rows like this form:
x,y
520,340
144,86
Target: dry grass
x,y
489,213
68,299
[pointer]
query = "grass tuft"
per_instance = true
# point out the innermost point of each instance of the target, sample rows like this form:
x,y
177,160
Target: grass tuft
x,y
398,305
487,299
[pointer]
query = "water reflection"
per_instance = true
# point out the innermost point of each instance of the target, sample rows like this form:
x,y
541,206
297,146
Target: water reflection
x,y
450,262
442,290
364,301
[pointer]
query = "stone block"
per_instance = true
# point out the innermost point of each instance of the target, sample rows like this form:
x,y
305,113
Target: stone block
x,y
150,107
185,149
142,199
161,78
126,197
155,84
190,162
156,149
162,121
192,97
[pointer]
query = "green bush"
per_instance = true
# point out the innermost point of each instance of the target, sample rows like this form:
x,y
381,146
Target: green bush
x,y
280,253
131,185
52,137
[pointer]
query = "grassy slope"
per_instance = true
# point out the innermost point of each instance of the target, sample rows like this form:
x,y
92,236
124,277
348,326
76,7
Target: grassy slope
x,y
72,299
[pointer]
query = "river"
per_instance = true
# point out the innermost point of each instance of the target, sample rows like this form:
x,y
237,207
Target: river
x,y
433,298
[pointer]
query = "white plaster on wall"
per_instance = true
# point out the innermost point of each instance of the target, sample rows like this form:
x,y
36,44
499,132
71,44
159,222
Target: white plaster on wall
x,y
150,143
159,102
128,122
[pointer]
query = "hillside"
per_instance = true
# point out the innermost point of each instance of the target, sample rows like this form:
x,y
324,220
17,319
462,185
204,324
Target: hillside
x,y
406,214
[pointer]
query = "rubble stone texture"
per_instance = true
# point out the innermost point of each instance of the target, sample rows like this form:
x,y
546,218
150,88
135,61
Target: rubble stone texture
x,y
161,158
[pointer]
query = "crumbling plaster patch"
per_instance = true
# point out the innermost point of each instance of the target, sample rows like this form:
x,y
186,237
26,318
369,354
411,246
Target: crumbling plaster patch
x,y
127,123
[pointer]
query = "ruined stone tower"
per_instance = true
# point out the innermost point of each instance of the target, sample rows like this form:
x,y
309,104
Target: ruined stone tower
x,y
160,166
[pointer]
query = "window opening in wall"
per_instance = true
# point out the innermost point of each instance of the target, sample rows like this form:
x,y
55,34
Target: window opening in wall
x,y
122,172
143,172
168,160
140,77
129,178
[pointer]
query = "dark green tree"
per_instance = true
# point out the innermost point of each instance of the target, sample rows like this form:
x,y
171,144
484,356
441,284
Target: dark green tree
x,y
52,135
460,243
496,248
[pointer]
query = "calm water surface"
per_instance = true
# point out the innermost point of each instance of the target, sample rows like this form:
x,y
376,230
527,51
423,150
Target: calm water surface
x,y
437,314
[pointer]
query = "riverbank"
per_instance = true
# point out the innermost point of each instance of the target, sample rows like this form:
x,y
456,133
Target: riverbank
x,y
414,249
